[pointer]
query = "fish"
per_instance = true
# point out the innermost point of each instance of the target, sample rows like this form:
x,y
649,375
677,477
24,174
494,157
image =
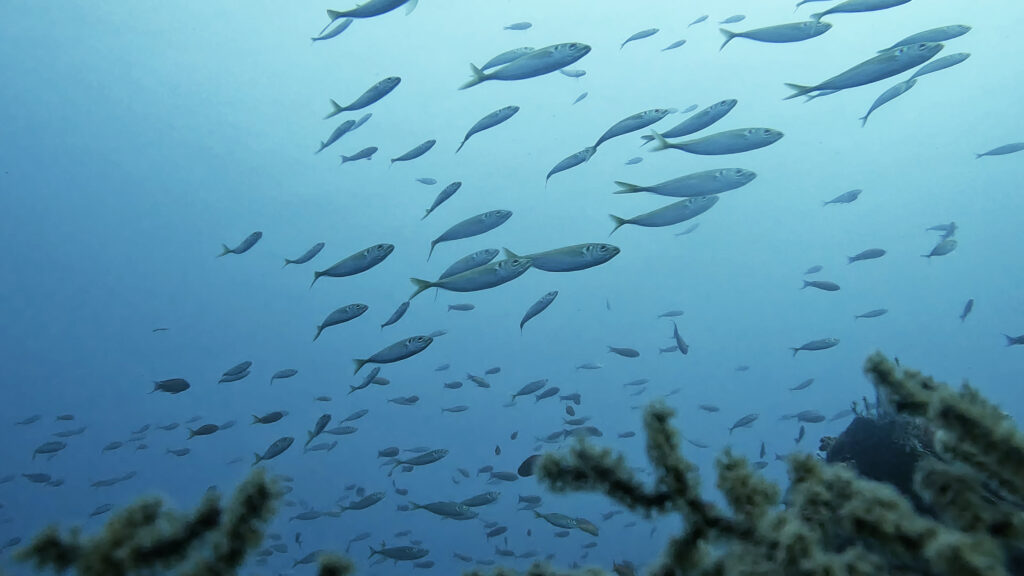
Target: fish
x,y
283,374
318,428
967,309
646,33
851,6
744,422
681,344
340,316
942,248
872,313
423,459
442,196
372,8
940,64
845,197
801,386
780,33
427,181
233,377
356,263
814,269
334,32
632,123
573,73
530,388
506,57
396,315
532,64
306,256
398,351
800,435
570,258
674,45
634,161
869,254
1014,340
364,154
455,409
549,393
51,447
519,26
371,95
624,352
571,161
940,34
171,386
821,344
671,314
884,65
481,278
469,262
274,450
537,307
698,121
689,229
472,226
489,121
580,98
698,20
733,19
269,417
728,142
674,213
461,307
417,151
887,96
704,183
400,553
492,370
589,366
825,285
809,416
243,246
342,129
1002,150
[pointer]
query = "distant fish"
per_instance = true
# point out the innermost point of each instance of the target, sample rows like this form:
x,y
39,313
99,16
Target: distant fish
x,y
869,254
342,129
698,121
427,181
536,63
398,351
442,197
887,96
853,6
681,344
415,152
734,19
689,229
364,154
489,121
872,313
668,215
519,26
821,285
372,94
306,256
340,316
283,374
647,33
624,352
967,309
814,269
396,315
244,246
333,32
634,160
940,64
674,45
573,73
538,307
744,422
698,20
372,8
803,385
172,386
274,450
671,314
942,248
845,197
580,98
571,161
632,123
1004,149
822,344
461,307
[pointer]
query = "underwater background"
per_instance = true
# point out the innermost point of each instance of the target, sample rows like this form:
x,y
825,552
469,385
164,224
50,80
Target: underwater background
x,y
138,138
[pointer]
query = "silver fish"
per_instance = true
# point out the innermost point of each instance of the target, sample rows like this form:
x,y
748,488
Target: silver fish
x,y
571,161
398,351
444,195
872,313
821,285
536,63
668,215
845,197
519,26
890,94
634,161
356,263
885,65
967,309
637,121
681,344
172,386
306,256
244,246
469,262
728,142
274,450
698,121
489,121
674,45
396,315
506,57
1001,150
822,344
573,73
333,32
851,6
942,248
694,185
869,254
639,36
744,422
580,98
803,385
780,33
372,8
372,94
283,374
734,19
427,181
342,129
340,316
472,226
398,553
698,20
538,307
940,64
940,34
416,152
481,278
570,258
364,154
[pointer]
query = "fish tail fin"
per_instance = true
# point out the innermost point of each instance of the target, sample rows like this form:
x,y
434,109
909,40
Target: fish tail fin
x,y
618,223
373,552
510,254
257,459
425,215
1009,339
345,158
798,90
335,109
795,350
863,120
255,419
286,262
431,253
421,285
321,148
191,433
728,37
461,145
224,250
359,363
478,77
976,156
319,329
626,187
316,276
806,284
662,143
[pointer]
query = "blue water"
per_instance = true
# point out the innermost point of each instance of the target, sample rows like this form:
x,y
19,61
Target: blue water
x,y
139,138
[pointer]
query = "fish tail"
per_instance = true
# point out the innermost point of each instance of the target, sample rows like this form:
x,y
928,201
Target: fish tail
x,y
321,148
461,145
191,433
478,77
258,458
373,552
335,109
728,37
255,419
798,90
319,329
627,188
1009,339
806,284
795,350
359,362
618,223
286,262
816,16
976,156
662,143
425,215
224,250
316,276
863,120
421,285
431,253
344,158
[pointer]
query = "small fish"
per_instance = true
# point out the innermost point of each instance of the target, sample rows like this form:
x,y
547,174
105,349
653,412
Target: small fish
x,y
681,344
698,121
364,154
632,123
571,161
532,64
845,197
634,161
853,6
624,352
489,121
698,20
242,247
415,152
780,33
733,19
340,316
821,344
472,226
172,386
1002,150
940,34
283,374
396,315
763,451
647,33
674,213
580,98
671,314
333,32
398,351
674,45
372,94
728,142
887,96
940,64
481,278
461,307
1014,340
814,269
306,256
573,73
967,309
493,370
342,129
869,254
537,307
442,196
427,181
821,285
872,313
356,263
942,248
519,26
744,422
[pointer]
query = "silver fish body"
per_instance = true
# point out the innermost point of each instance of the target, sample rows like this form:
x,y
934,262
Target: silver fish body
x,y
674,213
780,33
371,95
632,123
532,64
472,226
538,307
693,185
940,34
306,256
570,258
340,316
416,152
882,66
489,121
356,263
481,278
572,161
506,57
698,121
398,351
887,96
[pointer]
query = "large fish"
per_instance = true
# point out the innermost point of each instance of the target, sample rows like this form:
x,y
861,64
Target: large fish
x,y
728,142
442,196
940,34
480,278
536,63
885,65
372,8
